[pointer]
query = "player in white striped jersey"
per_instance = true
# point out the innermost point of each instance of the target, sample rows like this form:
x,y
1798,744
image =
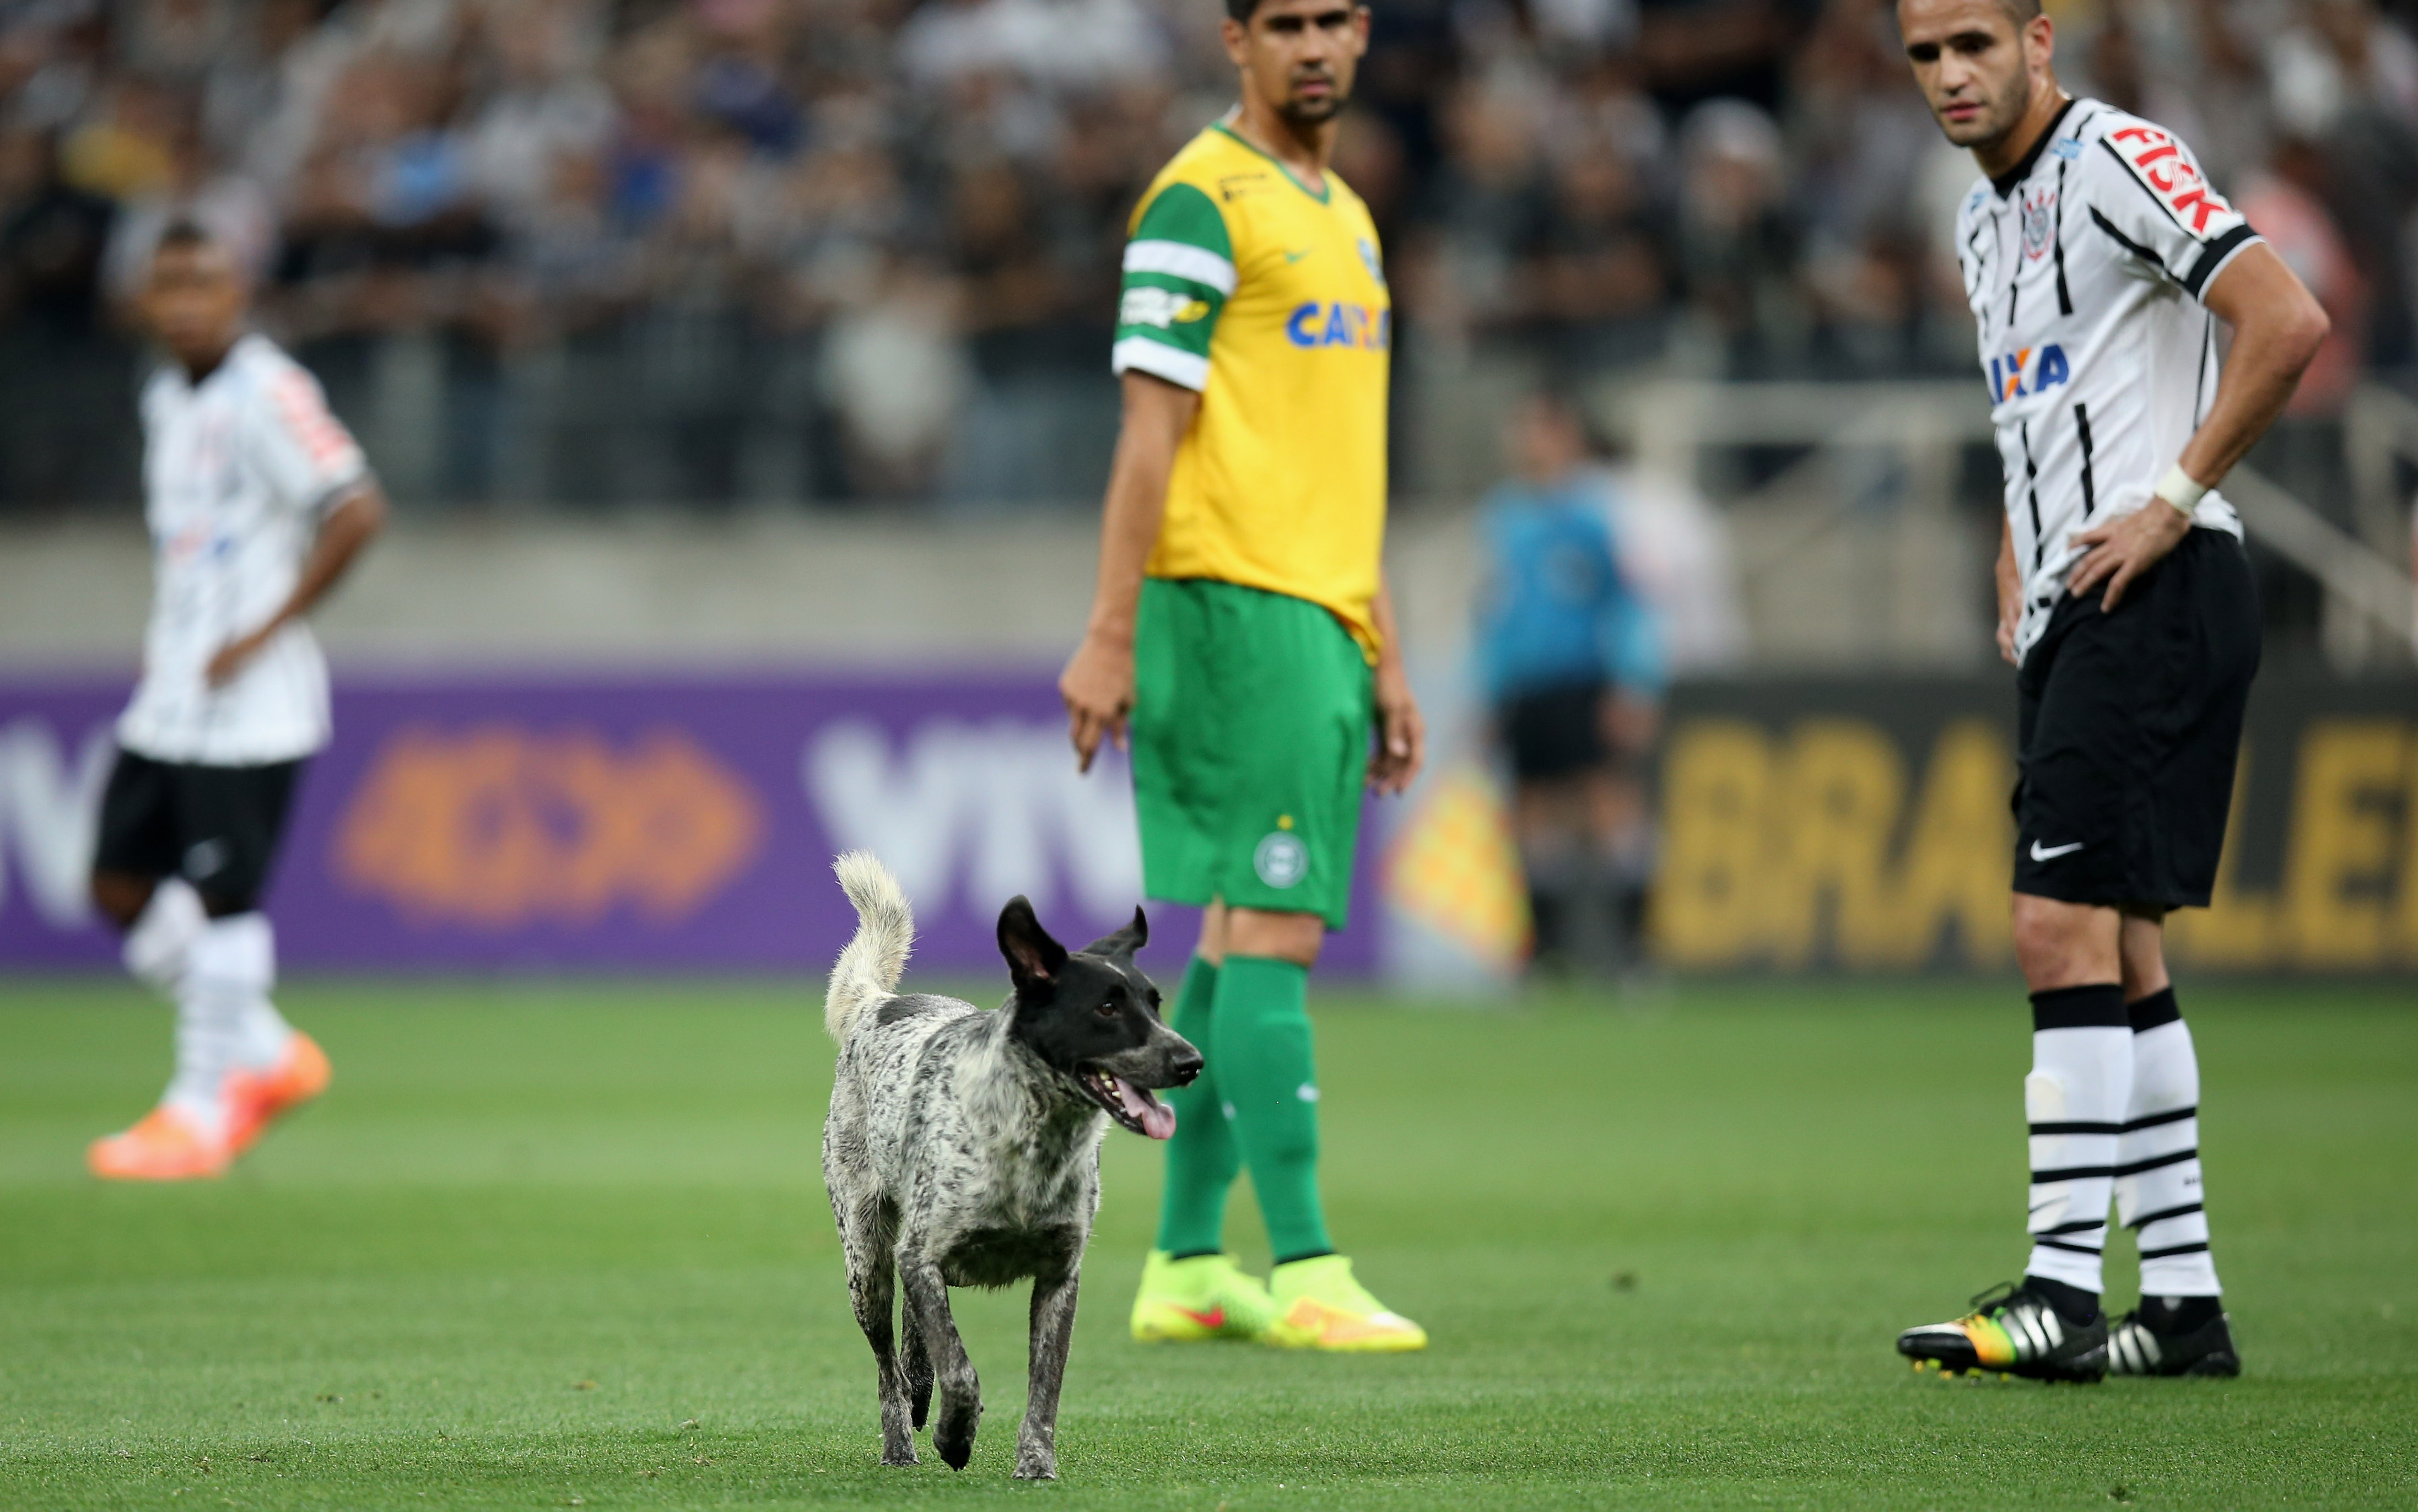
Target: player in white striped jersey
x,y
258,501
2099,260
2084,264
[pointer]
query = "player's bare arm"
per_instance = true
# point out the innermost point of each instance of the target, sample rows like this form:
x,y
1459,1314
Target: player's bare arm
x,y
1098,682
1402,734
349,528
2011,593
2278,329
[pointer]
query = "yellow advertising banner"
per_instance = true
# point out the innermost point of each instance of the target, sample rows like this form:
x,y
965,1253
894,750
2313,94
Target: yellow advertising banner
x,y
1864,825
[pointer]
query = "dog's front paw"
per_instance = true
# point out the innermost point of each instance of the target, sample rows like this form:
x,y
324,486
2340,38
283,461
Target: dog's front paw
x,y
900,1457
952,1436
1036,1451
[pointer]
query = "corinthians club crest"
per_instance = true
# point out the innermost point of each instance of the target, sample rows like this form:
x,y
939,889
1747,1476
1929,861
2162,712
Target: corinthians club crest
x,y
2040,222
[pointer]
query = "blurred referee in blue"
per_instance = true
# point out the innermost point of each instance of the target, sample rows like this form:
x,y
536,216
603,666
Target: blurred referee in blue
x,y
1572,668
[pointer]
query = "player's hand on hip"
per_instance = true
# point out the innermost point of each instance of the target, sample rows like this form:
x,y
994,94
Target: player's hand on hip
x,y
1098,688
2123,549
234,655
2011,614
1402,745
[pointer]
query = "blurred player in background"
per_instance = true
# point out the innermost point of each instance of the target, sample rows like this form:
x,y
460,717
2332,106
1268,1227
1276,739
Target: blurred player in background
x,y
258,503
1573,671
1241,624
2098,261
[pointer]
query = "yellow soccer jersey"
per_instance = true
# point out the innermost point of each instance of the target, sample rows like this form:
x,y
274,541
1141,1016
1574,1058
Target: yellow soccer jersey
x,y
1271,302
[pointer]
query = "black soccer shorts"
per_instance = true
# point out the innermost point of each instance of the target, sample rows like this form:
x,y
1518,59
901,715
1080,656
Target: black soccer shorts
x,y
2129,727
217,826
1556,731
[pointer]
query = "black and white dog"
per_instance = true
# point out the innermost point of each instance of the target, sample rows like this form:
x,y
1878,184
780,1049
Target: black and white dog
x,y
964,1146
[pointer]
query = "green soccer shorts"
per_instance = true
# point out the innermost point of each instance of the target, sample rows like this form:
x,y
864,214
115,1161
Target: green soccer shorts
x,y
1250,748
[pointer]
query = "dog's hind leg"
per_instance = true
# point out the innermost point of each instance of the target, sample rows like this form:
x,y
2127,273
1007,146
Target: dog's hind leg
x,y
953,1429
870,1289
916,1361
1053,1331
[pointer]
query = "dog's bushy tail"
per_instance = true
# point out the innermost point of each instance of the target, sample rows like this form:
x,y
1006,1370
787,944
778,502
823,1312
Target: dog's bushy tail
x,y
869,970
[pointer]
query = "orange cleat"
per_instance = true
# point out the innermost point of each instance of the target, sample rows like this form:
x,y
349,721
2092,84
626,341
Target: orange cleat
x,y
256,1099
164,1146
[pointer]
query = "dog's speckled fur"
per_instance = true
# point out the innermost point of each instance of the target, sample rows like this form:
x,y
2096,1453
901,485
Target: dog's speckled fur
x,y
962,1149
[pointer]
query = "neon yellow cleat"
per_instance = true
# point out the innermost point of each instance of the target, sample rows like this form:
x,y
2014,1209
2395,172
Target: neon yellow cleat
x,y
1200,1297
1321,1307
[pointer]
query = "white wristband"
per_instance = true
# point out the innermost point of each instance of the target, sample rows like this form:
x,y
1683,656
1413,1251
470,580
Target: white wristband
x,y
2178,489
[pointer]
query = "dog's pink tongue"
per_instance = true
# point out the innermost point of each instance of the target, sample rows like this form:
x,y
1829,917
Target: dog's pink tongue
x,y
1157,1118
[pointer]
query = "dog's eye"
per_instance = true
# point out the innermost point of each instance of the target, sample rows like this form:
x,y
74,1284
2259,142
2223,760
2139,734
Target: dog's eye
x,y
1106,1010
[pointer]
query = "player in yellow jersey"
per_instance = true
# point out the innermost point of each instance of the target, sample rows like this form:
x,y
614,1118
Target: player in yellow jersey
x,y
1242,631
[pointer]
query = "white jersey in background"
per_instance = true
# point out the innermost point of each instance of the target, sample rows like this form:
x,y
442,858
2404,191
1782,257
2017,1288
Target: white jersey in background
x,y
2084,266
239,470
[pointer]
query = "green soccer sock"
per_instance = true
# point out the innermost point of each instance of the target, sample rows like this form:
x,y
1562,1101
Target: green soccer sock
x,y
1265,1074
1203,1158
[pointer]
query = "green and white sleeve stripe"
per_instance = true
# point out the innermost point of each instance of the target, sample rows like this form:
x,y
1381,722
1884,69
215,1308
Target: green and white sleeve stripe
x,y
1179,271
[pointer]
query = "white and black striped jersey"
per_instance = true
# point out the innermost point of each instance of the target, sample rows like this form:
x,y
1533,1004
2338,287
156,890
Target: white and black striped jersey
x,y
2084,265
239,469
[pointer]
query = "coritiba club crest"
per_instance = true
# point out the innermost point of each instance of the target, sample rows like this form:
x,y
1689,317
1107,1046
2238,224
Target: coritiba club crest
x,y
1280,859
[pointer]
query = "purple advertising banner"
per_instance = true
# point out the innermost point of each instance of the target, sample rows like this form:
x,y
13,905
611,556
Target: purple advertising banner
x,y
638,823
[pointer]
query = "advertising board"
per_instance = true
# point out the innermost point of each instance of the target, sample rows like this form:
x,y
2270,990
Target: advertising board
x,y
628,823
1865,825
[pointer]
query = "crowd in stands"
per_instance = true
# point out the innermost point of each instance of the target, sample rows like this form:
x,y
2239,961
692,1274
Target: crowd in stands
x,y
594,250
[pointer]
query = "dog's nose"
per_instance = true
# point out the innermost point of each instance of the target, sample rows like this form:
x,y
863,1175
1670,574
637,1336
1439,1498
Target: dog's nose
x,y
1187,1066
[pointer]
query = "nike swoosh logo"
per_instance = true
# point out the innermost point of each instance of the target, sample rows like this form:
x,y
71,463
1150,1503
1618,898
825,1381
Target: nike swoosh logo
x,y
2052,852
1213,1318
1297,257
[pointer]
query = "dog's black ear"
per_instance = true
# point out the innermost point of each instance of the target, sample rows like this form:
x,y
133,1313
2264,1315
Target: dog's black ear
x,y
1132,938
1032,957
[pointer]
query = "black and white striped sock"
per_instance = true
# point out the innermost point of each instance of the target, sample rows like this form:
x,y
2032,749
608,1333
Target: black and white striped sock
x,y
2082,1071
2157,1157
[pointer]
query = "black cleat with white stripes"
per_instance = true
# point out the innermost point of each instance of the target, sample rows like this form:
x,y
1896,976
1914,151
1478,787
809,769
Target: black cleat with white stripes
x,y
2016,1332
2152,1340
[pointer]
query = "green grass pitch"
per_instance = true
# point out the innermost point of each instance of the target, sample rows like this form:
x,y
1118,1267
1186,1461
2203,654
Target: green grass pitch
x,y
566,1244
